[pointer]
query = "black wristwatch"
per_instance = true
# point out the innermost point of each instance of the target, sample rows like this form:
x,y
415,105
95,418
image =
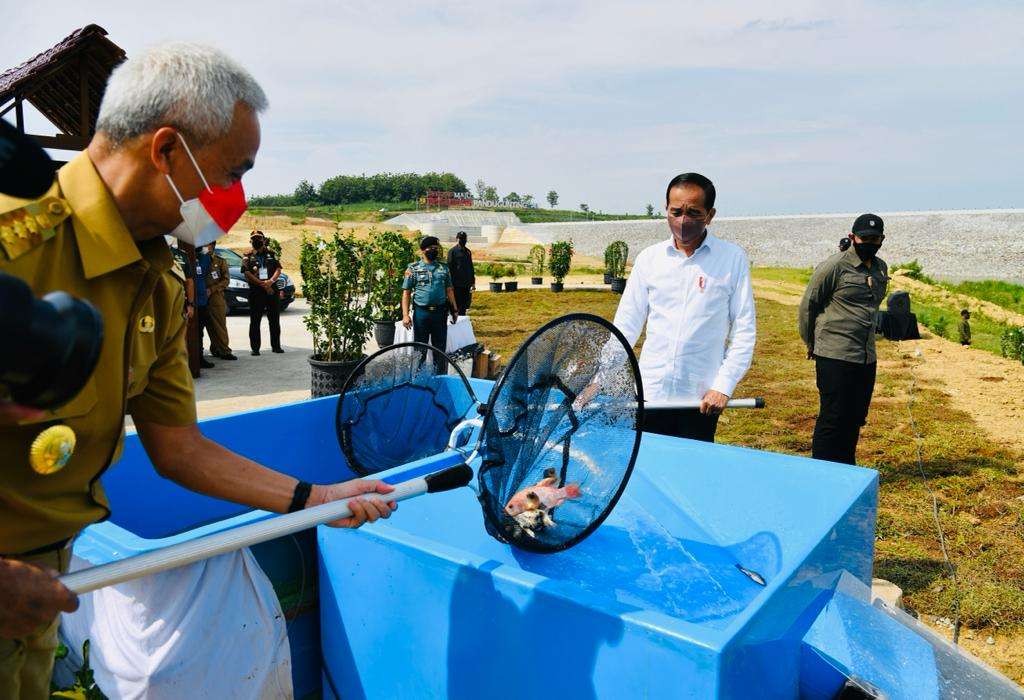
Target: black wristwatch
x,y
301,495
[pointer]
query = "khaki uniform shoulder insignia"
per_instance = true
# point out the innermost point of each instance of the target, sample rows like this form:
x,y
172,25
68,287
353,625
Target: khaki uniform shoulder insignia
x,y
30,225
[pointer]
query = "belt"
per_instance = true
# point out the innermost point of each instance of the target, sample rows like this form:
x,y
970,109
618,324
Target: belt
x,y
42,550
434,307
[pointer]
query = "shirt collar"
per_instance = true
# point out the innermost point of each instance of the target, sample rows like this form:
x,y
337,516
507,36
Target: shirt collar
x,y
707,243
104,241
853,258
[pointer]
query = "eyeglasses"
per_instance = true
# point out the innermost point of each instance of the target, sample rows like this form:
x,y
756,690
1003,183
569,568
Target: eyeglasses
x,y
695,213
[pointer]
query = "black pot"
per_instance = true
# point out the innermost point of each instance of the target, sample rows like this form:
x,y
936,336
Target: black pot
x,y
328,378
619,285
511,286
384,333
537,280
608,278
495,286
556,286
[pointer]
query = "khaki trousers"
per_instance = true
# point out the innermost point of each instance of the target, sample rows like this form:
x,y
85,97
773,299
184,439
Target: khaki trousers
x,y
217,325
26,664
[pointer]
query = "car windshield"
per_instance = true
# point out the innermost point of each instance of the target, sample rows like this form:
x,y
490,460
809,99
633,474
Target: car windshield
x,y
232,258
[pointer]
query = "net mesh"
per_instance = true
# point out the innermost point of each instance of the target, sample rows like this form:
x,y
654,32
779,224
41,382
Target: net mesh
x,y
561,435
396,408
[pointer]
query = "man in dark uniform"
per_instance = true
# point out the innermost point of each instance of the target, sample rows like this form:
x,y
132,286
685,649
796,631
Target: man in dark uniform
x,y
202,300
261,269
460,265
428,287
837,323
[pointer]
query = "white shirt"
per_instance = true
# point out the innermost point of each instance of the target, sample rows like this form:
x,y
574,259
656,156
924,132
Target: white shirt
x,y
700,318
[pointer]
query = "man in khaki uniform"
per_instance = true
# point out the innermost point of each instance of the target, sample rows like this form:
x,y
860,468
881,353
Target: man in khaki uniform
x,y
217,308
174,121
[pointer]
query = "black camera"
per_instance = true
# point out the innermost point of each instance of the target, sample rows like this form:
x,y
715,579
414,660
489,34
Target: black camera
x,y
49,347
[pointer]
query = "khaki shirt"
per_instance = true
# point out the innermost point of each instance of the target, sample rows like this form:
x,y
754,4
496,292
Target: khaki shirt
x,y
837,313
142,369
218,277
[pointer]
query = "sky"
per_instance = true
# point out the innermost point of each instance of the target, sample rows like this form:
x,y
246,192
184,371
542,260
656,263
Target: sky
x,y
789,107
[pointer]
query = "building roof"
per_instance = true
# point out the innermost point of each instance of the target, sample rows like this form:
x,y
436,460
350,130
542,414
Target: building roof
x,y
66,80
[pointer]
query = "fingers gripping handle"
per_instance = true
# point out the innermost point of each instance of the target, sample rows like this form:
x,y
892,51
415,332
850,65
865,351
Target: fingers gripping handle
x,y
192,551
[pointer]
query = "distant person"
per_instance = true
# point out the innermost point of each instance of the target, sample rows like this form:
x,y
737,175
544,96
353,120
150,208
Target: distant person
x,y
261,269
965,328
460,265
694,293
837,324
203,263
428,288
844,244
217,278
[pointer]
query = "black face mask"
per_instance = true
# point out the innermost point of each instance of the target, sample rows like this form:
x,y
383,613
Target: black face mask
x,y
431,254
866,251
257,244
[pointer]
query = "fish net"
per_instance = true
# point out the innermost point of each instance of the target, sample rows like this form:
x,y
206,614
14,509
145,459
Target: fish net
x,y
561,434
396,408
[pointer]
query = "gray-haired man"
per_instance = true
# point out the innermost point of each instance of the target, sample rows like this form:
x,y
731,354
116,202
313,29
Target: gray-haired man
x,y
177,130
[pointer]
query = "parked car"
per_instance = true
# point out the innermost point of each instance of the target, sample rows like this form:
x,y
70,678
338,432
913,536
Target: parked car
x,y
237,293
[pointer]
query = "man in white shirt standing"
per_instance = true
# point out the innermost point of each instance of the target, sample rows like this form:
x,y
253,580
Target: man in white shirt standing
x,y
693,291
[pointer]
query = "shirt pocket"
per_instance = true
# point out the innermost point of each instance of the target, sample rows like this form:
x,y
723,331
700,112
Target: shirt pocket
x,y
853,288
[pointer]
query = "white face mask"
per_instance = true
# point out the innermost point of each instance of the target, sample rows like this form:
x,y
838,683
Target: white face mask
x,y
209,216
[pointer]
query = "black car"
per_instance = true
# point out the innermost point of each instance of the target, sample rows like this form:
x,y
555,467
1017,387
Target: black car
x,y
237,293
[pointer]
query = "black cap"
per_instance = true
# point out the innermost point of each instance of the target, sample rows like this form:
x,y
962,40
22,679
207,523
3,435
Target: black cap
x,y
429,241
256,234
26,171
868,224
460,234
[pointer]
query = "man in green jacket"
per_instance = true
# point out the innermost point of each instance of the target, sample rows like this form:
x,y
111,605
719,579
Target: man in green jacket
x,y
837,323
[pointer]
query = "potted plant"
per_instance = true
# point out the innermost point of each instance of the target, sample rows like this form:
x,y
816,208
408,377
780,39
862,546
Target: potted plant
x,y
333,273
537,257
609,263
511,271
558,262
387,256
619,255
496,272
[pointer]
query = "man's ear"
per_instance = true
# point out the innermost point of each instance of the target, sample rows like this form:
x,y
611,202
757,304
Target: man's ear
x,y
711,215
164,143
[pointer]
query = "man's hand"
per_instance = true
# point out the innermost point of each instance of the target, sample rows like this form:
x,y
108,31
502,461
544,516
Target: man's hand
x,y
32,598
455,316
13,413
363,509
713,403
584,397
407,321
810,353
189,310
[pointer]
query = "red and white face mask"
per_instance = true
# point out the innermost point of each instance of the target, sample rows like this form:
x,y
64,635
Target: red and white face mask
x,y
210,215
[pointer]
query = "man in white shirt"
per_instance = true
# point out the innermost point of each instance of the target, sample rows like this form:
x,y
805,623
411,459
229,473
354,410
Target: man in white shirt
x,y
693,291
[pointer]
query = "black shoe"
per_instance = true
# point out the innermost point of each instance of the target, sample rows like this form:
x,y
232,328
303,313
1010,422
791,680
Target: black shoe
x,y
278,350
229,356
205,364
255,353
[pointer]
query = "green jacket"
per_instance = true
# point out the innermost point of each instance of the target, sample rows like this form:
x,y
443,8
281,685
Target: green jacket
x,y
965,331
837,313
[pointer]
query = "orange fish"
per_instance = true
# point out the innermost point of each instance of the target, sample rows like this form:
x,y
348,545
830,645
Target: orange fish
x,y
531,506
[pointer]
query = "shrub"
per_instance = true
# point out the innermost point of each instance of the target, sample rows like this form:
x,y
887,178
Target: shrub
x,y
615,256
537,257
559,259
333,276
1011,343
387,256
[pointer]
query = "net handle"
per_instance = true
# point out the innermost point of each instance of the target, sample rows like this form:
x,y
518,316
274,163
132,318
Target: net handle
x,y
757,402
201,548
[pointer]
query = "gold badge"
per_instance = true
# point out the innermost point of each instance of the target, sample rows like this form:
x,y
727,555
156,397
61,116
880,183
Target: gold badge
x,y
146,324
52,449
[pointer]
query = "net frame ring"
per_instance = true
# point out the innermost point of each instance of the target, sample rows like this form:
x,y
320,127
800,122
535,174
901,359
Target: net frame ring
x,y
341,428
497,521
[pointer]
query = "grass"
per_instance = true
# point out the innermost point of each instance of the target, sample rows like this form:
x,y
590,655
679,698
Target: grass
x,y
985,333
544,216
1005,294
979,484
338,212
794,275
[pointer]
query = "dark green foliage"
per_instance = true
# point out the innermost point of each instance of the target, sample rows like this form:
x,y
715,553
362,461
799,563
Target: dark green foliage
x,y
559,259
334,280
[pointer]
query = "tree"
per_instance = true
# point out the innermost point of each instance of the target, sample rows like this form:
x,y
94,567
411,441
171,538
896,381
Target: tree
x,y
650,210
481,189
513,198
305,193
527,200
490,194
553,199
584,208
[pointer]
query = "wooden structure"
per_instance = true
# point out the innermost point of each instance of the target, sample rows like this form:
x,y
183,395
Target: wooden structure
x,y
65,84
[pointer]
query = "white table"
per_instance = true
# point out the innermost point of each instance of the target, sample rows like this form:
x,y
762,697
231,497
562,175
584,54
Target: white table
x,y
459,335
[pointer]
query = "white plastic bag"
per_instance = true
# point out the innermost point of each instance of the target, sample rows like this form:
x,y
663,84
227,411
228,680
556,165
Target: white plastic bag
x,y
213,629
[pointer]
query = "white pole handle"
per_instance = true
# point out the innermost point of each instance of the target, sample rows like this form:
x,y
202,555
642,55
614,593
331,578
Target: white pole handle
x,y
201,548
731,403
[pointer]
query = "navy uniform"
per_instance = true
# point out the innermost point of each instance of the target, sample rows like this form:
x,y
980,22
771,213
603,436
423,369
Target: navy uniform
x,y
260,266
430,285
